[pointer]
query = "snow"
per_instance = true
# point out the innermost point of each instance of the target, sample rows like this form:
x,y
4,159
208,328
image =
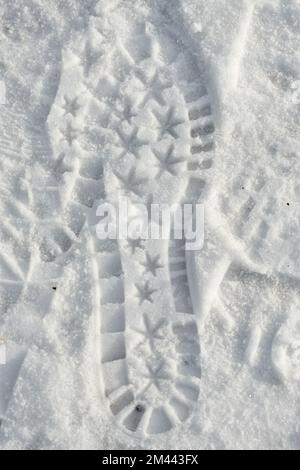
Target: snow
x,y
139,344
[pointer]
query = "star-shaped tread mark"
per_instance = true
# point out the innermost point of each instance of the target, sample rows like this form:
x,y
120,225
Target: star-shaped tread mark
x,y
153,88
167,162
152,264
71,106
167,123
130,143
155,376
131,182
150,332
135,243
145,292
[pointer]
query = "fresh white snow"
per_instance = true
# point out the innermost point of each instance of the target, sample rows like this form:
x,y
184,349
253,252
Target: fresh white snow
x,y
141,344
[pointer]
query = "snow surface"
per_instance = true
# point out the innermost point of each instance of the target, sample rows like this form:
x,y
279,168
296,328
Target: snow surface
x,y
121,347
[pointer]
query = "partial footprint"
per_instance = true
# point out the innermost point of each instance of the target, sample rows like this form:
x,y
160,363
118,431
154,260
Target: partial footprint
x,y
286,351
29,193
259,198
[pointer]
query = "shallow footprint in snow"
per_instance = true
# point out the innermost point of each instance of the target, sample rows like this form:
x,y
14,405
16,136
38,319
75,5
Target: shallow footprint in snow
x,y
286,351
28,195
145,132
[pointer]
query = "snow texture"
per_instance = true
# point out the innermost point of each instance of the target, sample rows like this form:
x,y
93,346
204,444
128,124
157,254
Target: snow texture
x,y
138,343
